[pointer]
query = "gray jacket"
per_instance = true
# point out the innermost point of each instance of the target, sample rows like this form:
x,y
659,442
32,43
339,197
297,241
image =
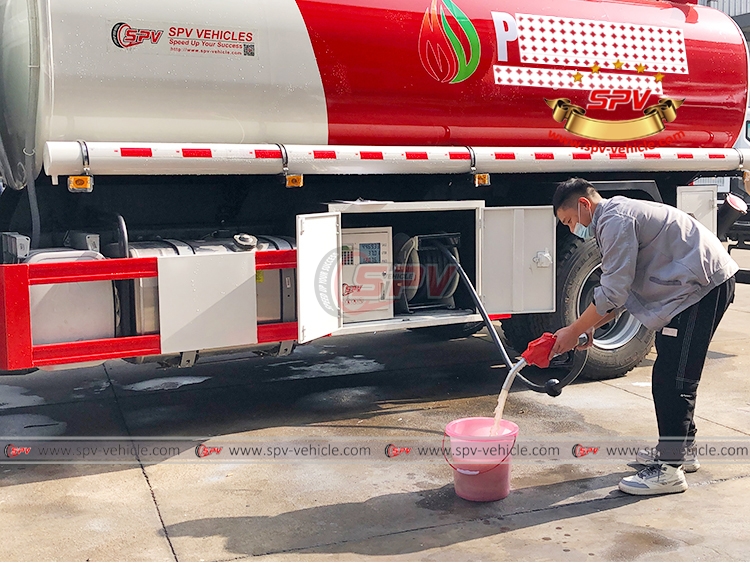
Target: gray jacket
x,y
656,260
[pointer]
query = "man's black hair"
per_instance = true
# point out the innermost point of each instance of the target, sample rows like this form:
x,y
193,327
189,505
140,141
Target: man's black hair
x,y
569,189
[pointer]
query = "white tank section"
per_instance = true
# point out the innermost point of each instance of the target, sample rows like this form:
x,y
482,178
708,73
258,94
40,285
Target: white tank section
x,y
189,71
14,82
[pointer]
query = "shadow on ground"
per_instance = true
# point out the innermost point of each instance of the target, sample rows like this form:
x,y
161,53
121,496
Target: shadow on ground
x,y
362,527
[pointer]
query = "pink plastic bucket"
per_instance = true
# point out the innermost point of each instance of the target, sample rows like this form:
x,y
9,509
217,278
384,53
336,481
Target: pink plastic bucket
x,y
480,462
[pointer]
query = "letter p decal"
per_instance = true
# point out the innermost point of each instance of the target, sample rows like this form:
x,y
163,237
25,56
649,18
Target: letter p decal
x,y
505,31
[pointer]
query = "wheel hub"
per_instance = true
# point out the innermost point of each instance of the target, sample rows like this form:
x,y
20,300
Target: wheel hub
x,y
616,333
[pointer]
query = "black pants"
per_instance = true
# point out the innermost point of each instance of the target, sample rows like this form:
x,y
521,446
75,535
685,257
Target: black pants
x,y
678,367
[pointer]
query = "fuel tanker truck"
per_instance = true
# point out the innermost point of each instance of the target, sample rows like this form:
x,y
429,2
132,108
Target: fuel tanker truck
x,y
187,179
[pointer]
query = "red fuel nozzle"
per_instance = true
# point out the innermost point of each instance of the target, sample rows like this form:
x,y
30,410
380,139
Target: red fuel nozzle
x,y
538,351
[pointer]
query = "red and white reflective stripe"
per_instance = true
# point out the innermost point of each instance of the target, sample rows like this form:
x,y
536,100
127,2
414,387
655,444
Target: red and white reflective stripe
x,y
378,160
268,153
66,159
197,153
523,160
325,155
135,152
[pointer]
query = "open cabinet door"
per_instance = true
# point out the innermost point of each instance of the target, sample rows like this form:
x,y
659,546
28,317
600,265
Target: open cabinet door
x,y
318,275
518,259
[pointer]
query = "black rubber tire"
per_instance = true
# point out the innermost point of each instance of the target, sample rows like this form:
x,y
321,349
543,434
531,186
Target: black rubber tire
x,y
449,332
519,332
576,260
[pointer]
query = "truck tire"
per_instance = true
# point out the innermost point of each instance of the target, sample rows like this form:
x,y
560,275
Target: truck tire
x,y
518,331
618,347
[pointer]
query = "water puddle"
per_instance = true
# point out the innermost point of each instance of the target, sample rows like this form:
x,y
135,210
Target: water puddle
x,y
12,397
340,399
165,383
333,368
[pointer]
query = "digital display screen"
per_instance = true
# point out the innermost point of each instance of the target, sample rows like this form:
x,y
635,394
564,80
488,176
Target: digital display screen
x,y
369,253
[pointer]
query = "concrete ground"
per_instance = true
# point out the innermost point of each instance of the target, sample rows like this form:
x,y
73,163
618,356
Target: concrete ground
x,y
395,386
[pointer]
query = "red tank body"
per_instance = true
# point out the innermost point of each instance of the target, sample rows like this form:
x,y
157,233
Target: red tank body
x,y
481,72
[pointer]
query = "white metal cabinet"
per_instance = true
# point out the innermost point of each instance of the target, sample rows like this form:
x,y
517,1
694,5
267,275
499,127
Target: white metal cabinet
x,y
515,265
518,259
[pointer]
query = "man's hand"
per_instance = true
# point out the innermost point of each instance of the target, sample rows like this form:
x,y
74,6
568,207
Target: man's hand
x,y
567,339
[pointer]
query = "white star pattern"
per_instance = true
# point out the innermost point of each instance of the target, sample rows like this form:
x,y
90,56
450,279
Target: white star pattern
x,y
568,42
554,78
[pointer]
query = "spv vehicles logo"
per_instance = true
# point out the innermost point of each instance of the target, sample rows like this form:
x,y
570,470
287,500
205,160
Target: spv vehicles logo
x,y
125,36
449,45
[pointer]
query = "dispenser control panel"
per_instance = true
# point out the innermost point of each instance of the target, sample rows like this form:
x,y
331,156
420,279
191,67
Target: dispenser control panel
x,y
367,274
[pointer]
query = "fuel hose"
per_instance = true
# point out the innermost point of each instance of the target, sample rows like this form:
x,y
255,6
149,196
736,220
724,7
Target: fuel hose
x,y
553,387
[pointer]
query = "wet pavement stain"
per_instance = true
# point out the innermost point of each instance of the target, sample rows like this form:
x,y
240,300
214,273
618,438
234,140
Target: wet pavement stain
x,y
349,398
339,366
165,383
564,473
12,397
639,545
553,418
14,425
443,500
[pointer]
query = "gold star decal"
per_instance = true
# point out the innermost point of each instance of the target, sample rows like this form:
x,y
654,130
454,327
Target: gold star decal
x,y
595,68
619,64
659,77
578,77
640,68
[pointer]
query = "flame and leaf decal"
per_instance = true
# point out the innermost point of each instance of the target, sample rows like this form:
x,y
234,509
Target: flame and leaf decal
x,y
449,45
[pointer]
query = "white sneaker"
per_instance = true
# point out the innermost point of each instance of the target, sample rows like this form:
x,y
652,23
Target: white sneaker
x,y
647,456
655,479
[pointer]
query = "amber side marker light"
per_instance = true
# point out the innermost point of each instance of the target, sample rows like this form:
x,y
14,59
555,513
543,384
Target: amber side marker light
x,y
481,180
81,184
295,180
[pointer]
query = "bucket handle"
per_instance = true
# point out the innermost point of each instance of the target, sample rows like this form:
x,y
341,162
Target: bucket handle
x,y
469,471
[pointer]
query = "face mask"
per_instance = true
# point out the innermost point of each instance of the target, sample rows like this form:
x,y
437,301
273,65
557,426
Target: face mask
x,y
580,231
